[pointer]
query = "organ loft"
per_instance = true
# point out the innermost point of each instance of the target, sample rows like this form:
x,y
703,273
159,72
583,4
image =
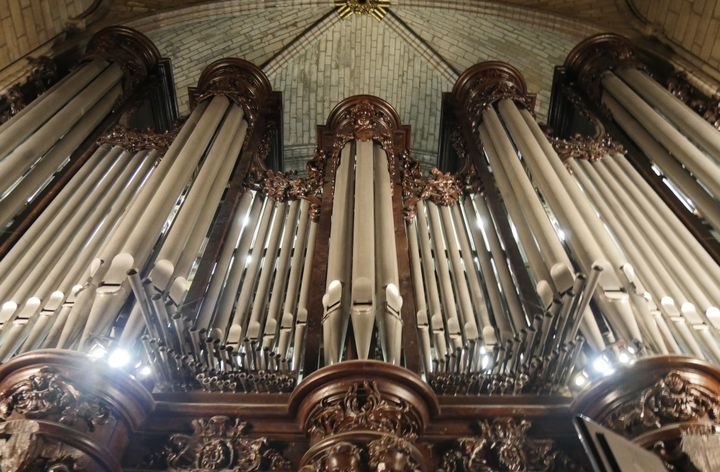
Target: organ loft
x,y
359,236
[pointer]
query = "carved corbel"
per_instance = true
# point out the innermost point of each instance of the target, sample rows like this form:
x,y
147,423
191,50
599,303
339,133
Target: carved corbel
x,y
707,107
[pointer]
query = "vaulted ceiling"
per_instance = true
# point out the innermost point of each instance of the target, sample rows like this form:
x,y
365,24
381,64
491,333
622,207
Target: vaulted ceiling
x,y
409,58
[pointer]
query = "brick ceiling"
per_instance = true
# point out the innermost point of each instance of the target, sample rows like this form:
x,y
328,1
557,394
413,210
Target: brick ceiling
x,y
410,58
315,59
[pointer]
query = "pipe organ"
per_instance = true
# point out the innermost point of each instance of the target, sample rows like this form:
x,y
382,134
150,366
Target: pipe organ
x,y
365,316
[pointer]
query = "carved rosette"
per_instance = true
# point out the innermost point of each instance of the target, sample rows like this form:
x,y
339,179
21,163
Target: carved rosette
x,y
363,408
503,445
595,55
135,140
486,83
672,399
131,50
585,147
239,80
221,444
49,395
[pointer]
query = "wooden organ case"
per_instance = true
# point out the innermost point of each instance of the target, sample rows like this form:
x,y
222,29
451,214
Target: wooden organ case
x,y
172,301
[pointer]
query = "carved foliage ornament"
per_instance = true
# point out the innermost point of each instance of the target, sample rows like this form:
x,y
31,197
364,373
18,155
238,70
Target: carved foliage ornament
x,y
672,399
48,394
487,83
220,444
503,445
43,74
585,147
135,140
363,408
707,107
364,121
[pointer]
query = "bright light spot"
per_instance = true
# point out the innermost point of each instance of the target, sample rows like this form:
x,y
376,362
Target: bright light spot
x,y
624,357
144,371
392,288
632,350
9,306
246,221
581,380
483,350
712,312
480,223
97,352
248,260
334,284
119,358
485,363
602,366
561,234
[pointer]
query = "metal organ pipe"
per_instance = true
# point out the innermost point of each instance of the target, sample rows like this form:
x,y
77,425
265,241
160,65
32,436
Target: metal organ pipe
x,y
293,285
17,197
258,218
705,168
14,164
240,224
19,129
301,320
363,253
586,236
705,203
681,116
242,303
337,290
114,289
538,267
388,281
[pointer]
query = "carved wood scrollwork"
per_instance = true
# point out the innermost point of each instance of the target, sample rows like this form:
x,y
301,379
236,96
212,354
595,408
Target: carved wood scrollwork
x,y
595,55
486,83
49,395
136,55
135,140
503,445
585,147
672,399
363,408
239,80
361,117
219,444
